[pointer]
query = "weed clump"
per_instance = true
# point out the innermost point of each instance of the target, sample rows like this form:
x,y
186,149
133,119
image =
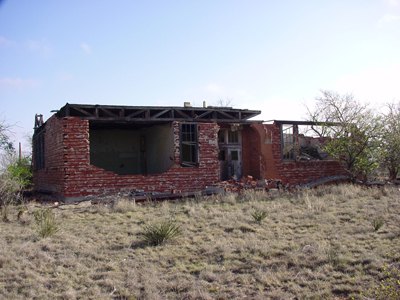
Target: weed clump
x,y
377,223
159,233
259,216
333,255
124,205
46,222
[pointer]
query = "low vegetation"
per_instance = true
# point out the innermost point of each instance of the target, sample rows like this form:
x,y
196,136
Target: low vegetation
x,y
377,223
259,215
10,193
159,233
46,224
314,244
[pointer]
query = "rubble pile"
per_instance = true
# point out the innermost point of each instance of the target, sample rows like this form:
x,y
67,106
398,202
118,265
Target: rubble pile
x,y
248,183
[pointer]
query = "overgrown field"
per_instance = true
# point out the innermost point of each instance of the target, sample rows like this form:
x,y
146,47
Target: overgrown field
x,y
334,242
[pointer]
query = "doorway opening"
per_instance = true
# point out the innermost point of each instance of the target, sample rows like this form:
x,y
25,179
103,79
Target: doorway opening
x,y
230,152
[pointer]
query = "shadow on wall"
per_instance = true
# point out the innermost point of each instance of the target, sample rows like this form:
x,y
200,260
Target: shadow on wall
x,y
132,150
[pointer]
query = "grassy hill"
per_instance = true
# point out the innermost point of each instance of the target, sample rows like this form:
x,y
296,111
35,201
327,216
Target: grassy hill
x,y
333,242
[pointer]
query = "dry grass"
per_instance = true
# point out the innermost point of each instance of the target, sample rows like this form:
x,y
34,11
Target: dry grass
x,y
315,244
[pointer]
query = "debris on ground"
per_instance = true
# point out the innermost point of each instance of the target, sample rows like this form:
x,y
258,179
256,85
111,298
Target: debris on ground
x,y
138,195
249,183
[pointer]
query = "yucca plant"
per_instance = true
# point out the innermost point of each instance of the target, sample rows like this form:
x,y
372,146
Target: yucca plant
x,y
159,233
259,215
46,222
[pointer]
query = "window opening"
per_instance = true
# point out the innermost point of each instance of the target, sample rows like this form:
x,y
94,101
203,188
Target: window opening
x,y
299,143
233,137
234,155
221,136
38,149
288,145
131,150
189,145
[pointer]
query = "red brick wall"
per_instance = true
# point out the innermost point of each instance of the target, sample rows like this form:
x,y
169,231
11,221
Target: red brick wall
x,y
51,177
68,171
251,152
80,178
290,171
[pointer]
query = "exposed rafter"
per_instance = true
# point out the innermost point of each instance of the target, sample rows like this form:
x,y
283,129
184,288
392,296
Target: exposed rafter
x,y
156,114
309,123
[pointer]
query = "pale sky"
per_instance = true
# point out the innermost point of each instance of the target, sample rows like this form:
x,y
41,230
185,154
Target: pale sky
x,y
268,55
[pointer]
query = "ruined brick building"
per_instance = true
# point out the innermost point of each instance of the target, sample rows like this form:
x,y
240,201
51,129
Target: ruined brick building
x,y
92,149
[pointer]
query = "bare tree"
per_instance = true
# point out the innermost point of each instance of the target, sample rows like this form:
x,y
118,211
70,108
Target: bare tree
x,y
225,102
5,143
352,129
390,140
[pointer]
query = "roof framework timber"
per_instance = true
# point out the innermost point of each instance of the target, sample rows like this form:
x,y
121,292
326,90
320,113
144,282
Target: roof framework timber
x,y
156,114
309,123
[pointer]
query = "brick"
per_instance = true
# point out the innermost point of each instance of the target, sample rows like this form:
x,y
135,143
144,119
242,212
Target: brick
x,y
67,148
68,171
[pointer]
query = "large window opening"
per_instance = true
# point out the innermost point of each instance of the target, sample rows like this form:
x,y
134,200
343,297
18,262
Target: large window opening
x,y
299,142
189,145
132,149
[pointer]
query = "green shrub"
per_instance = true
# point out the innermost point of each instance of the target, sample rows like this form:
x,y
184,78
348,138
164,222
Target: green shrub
x,y
160,233
15,176
377,223
9,194
45,220
20,170
259,215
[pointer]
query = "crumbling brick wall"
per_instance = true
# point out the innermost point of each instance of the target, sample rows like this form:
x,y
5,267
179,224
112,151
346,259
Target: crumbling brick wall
x,y
251,158
290,171
51,177
67,158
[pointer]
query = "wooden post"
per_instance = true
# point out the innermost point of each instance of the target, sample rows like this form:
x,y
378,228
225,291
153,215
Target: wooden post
x,y
19,152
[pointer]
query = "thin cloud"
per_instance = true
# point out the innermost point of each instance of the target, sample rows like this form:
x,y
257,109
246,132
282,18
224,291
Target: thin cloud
x,y
377,85
214,88
18,83
86,48
4,42
65,77
39,46
393,2
388,19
